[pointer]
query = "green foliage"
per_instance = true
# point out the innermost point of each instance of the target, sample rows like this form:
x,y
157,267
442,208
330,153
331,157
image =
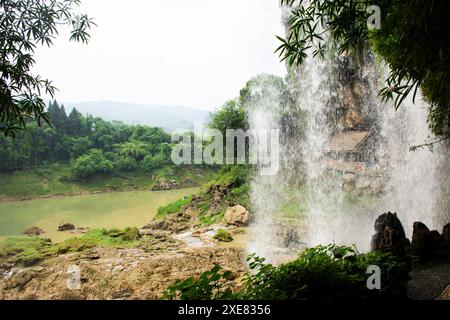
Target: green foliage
x,y
24,26
223,235
71,137
91,164
230,116
209,286
151,163
57,180
321,273
126,163
31,250
413,40
173,207
208,218
325,272
27,251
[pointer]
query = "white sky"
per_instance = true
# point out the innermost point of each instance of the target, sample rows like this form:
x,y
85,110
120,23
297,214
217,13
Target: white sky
x,y
196,53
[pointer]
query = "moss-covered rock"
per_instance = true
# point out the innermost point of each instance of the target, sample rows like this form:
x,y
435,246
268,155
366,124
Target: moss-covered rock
x,y
223,236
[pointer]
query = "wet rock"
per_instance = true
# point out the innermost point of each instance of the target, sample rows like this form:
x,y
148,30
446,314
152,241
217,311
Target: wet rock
x,y
19,280
237,215
389,235
80,230
33,231
66,226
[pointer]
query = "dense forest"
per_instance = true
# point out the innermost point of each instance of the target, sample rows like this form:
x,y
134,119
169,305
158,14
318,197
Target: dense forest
x,y
90,144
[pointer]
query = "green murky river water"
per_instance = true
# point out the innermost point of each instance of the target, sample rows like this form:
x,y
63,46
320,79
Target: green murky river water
x,y
110,210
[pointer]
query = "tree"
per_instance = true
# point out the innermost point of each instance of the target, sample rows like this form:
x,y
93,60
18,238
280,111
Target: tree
x,y
230,116
414,39
154,162
91,164
134,149
24,25
74,123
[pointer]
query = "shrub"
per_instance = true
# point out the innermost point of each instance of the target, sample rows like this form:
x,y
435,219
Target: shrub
x,y
153,162
325,272
321,273
207,287
90,164
126,163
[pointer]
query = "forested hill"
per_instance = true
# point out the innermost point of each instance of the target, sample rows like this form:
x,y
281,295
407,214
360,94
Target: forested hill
x,y
167,117
91,144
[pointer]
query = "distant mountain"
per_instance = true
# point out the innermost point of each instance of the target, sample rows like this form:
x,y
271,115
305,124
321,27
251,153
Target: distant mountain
x,y
167,117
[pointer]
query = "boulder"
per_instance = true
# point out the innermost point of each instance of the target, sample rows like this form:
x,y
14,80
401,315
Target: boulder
x,y
446,233
427,245
237,215
390,235
421,244
33,231
66,226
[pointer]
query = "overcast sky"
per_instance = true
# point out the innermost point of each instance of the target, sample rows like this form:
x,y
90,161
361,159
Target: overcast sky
x,y
196,53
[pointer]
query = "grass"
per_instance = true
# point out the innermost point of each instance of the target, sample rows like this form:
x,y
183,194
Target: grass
x,y
208,219
55,180
173,207
29,251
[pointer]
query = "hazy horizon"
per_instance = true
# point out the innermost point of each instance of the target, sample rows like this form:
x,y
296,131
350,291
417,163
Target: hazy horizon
x,y
196,54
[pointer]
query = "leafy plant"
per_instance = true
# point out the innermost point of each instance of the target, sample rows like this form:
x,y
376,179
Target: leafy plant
x,y
25,25
325,272
413,40
209,286
90,164
320,273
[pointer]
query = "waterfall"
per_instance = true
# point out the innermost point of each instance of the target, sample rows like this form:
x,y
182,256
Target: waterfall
x,y
338,193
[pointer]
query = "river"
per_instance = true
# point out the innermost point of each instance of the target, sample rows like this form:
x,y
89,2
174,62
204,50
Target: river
x,y
108,210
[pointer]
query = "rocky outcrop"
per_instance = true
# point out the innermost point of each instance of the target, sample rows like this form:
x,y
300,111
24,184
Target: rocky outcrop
x,y
390,235
173,223
237,215
162,184
429,245
425,245
66,226
218,193
33,231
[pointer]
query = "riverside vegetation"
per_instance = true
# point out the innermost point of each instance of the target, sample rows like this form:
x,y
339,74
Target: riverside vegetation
x,y
208,273
87,153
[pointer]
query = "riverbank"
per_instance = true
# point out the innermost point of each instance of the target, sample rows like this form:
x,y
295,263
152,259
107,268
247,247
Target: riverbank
x,y
107,210
53,182
141,271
